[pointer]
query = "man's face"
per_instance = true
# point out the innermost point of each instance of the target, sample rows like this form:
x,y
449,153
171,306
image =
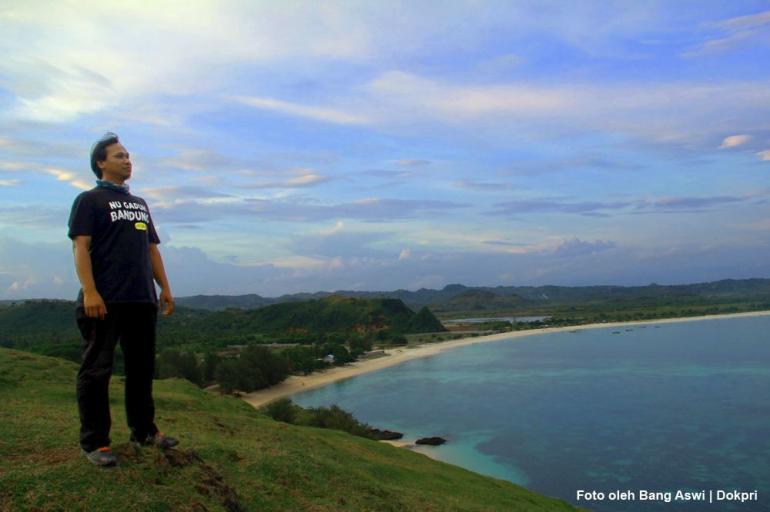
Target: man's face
x,y
117,166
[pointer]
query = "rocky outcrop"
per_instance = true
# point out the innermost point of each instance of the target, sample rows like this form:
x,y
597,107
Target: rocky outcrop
x,y
384,435
432,441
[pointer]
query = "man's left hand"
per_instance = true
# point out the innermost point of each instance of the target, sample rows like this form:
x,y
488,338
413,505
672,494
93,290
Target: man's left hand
x,y
166,302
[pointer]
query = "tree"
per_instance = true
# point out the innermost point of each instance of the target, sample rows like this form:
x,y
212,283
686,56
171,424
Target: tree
x,y
210,362
173,363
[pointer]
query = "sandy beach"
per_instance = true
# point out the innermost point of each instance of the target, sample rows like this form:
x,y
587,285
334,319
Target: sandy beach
x,y
295,384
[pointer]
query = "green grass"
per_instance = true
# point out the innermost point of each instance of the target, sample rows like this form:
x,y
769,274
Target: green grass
x,y
231,458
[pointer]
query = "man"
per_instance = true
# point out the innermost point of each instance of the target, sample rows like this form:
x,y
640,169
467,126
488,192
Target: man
x,y
116,259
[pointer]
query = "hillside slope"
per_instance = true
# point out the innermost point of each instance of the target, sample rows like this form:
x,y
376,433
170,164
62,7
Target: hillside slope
x,y
231,458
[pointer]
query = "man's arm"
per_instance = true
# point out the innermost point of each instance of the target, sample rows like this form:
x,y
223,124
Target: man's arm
x,y
159,273
92,300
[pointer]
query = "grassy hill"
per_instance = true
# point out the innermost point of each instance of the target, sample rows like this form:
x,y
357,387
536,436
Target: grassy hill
x,y
231,458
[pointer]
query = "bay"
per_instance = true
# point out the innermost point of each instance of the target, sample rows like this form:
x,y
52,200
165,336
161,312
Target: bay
x,y
659,407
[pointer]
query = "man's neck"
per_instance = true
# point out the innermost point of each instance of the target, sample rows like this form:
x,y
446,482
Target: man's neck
x,y
113,185
114,181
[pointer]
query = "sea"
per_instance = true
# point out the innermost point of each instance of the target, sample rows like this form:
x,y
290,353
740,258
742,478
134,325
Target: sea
x,y
610,419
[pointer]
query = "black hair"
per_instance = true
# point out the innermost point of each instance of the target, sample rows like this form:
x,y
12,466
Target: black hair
x,y
99,151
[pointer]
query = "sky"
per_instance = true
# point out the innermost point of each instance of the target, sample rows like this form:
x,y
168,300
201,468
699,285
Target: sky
x,y
375,145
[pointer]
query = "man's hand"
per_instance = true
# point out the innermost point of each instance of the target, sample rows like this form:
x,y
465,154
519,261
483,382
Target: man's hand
x,y
94,305
166,302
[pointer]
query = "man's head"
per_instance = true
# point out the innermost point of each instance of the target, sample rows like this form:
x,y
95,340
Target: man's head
x,y
109,159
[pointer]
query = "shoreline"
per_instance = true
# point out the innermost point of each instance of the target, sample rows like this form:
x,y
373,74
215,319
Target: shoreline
x,y
297,384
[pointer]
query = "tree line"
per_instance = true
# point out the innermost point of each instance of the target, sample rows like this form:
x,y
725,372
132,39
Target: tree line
x,y
254,366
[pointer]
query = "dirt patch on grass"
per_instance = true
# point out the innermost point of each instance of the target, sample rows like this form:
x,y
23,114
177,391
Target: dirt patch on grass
x,y
208,480
204,479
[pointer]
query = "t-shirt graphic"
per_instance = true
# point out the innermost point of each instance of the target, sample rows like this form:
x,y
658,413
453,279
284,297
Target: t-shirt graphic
x,y
121,231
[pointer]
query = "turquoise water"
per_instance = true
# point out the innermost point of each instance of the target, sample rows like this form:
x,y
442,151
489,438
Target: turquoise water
x,y
656,408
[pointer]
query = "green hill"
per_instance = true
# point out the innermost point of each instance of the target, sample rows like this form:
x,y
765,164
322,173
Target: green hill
x,y
231,458
333,314
476,299
49,326
49,319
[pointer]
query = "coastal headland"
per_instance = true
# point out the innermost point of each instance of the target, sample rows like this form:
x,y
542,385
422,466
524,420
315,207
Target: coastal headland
x,y
297,384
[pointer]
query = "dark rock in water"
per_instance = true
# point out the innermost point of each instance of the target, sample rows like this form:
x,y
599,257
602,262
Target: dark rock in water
x,y
433,441
384,435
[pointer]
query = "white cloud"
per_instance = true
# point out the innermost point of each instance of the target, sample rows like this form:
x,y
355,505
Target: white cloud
x,y
9,183
734,32
659,112
302,178
734,141
317,113
68,176
410,93
764,155
305,180
65,61
57,172
405,254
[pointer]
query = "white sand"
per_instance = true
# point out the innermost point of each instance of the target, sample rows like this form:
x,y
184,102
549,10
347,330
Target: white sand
x,y
295,384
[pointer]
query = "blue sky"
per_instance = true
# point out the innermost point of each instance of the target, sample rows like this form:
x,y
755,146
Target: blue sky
x,y
305,146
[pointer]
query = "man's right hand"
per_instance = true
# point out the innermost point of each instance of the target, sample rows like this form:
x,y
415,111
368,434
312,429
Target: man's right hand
x,y
94,305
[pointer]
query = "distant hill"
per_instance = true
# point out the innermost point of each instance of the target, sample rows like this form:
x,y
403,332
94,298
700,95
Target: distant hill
x,y
231,458
219,302
48,326
738,289
475,299
319,317
30,324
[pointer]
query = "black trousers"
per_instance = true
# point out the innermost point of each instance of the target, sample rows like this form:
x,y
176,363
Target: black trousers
x,y
133,325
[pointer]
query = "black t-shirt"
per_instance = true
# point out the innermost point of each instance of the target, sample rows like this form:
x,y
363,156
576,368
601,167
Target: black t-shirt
x,y
121,232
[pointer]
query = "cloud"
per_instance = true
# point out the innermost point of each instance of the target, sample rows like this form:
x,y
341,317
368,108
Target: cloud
x,y
164,197
690,203
505,243
764,155
303,178
549,205
59,173
69,177
578,162
340,244
299,209
576,247
199,160
413,162
35,147
64,63
63,66
734,32
403,92
733,141
9,183
36,270
317,113
484,185
667,113
631,206
29,270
